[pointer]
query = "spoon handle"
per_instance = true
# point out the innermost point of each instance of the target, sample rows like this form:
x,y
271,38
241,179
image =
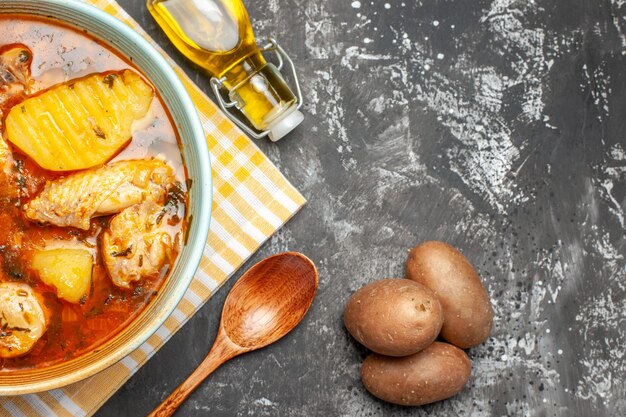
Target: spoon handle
x,y
223,350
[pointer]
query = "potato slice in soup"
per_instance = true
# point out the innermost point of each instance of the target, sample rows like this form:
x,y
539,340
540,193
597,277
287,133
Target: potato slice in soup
x,y
81,124
68,270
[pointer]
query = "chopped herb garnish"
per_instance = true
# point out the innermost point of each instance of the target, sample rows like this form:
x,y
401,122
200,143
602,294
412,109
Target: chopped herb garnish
x,y
99,133
123,253
160,216
109,80
6,330
24,56
12,264
175,195
138,290
18,165
21,181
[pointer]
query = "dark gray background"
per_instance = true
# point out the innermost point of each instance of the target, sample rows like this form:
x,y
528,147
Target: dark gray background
x,y
495,125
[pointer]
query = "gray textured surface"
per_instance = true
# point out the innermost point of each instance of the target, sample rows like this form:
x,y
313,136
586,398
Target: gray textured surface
x,y
495,125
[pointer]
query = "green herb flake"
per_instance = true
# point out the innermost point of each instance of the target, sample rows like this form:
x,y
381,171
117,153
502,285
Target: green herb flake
x,y
109,80
24,56
99,133
123,253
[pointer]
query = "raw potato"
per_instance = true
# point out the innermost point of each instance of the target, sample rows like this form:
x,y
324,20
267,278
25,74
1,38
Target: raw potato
x,y
68,270
434,374
394,317
82,124
467,313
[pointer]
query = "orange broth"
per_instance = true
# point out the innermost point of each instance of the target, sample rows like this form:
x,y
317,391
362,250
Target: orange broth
x,y
60,54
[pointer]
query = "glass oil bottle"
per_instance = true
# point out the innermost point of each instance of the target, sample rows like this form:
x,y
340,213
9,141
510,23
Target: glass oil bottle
x,y
217,35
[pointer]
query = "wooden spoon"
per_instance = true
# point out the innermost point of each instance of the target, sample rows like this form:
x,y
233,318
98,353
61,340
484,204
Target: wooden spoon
x,y
267,302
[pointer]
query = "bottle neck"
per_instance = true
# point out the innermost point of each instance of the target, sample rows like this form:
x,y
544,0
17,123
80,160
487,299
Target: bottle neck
x,y
259,90
243,69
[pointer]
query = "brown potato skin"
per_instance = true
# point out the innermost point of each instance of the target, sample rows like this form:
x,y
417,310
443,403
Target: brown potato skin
x,y
434,374
467,311
394,317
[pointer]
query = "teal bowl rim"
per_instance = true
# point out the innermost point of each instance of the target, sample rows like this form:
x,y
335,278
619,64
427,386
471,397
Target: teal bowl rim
x,y
117,34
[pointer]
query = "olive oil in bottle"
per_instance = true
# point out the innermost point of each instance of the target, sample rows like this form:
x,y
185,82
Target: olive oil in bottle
x,y
217,35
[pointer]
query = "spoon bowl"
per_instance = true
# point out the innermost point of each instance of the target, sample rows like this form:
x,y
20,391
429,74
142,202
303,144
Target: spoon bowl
x,y
267,302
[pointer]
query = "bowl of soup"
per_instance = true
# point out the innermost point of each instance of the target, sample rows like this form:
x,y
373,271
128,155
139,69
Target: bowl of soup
x,y
105,192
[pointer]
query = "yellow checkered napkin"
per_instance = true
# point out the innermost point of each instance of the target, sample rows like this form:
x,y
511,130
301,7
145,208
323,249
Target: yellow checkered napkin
x,y
251,200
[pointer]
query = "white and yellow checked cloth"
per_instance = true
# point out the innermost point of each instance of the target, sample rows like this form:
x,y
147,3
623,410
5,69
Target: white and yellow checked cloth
x,y
251,200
